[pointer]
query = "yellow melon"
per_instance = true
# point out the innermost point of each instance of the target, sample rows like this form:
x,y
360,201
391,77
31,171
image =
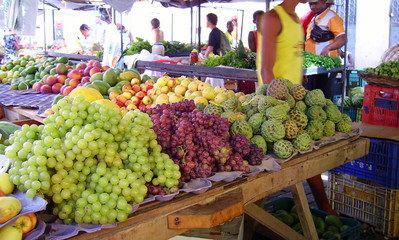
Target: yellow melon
x,y
90,94
108,103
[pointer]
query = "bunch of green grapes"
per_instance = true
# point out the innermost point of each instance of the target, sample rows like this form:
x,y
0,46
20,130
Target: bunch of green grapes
x,y
88,160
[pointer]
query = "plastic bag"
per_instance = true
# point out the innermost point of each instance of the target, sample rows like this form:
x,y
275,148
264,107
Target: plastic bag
x,y
112,46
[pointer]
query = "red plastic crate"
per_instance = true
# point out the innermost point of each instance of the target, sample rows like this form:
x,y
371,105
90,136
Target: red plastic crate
x,y
381,106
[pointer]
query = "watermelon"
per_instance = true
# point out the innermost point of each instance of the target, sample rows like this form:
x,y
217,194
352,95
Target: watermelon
x,y
357,100
356,91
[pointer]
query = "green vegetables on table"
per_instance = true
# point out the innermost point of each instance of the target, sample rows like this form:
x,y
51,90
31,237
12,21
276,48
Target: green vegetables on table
x,y
312,60
176,47
137,46
239,58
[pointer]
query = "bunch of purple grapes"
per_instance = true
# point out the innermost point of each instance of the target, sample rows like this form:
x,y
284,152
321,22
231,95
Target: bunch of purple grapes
x,y
199,143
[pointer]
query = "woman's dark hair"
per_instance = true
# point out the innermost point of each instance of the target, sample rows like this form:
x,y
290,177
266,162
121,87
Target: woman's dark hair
x,y
84,27
155,22
212,18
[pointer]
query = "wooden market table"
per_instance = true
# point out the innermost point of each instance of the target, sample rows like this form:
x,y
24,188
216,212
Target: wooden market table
x,y
226,200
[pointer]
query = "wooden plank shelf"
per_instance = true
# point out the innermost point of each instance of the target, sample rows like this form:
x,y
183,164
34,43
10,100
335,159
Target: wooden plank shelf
x,y
152,218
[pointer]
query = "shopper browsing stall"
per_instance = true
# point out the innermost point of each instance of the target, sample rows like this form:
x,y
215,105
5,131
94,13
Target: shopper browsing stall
x,y
156,31
10,47
87,40
230,28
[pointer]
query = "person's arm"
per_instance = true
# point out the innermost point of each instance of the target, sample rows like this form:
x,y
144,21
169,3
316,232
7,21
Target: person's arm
x,y
209,49
17,47
251,41
338,43
131,37
156,35
271,28
351,63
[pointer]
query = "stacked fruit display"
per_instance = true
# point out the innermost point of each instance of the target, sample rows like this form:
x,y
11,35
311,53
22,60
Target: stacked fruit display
x,y
355,98
11,207
89,161
388,69
282,116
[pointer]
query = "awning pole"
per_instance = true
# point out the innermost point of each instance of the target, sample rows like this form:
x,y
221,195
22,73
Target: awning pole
x,y
191,29
52,12
242,24
199,25
121,36
346,40
44,28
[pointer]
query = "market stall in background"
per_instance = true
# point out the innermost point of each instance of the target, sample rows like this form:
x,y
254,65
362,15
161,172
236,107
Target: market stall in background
x,y
104,140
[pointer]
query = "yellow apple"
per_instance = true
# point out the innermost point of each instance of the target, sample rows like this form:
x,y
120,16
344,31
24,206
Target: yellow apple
x,y
25,222
203,85
5,184
219,89
239,94
162,98
220,98
188,93
175,98
209,93
12,231
242,98
193,86
180,89
201,99
196,94
9,207
230,94
185,82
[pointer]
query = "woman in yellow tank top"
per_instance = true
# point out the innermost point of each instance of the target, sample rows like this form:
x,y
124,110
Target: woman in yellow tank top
x,y
282,43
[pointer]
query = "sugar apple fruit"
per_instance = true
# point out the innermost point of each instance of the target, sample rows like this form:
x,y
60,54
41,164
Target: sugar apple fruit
x,y
333,113
272,130
283,149
212,108
315,129
232,105
291,101
329,102
279,112
291,129
265,103
301,106
249,98
316,113
299,118
255,100
278,89
241,116
288,83
250,111
229,115
298,92
256,121
302,142
200,106
262,90
241,127
315,97
260,141
345,125
329,128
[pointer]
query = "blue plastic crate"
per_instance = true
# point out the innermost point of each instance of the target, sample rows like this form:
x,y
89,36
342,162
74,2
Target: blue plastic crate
x,y
352,233
354,113
381,165
353,80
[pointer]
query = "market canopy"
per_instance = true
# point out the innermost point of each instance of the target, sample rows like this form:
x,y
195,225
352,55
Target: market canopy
x,y
188,4
88,5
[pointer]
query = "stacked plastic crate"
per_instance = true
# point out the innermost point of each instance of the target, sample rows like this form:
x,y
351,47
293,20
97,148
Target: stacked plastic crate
x,y
368,188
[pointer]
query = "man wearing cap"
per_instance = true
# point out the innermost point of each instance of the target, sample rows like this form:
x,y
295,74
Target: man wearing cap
x,y
332,34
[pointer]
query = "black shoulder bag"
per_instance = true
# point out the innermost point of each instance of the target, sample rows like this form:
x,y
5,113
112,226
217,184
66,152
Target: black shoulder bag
x,y
319,35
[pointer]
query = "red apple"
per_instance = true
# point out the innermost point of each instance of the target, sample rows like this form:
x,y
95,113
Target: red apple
x,y
121,99
74,83
105,68
74,74
81,66
25,222
149,87
136,88
97,64
119,103
142,106
94,70
135,100
81,71
33,218
62,89
113,95
140,95
45,88
61,78
147,100
128,102
69,67
126,88
50,80
134,81
149,82
85,79
56,88
87,70
67,90
90,63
